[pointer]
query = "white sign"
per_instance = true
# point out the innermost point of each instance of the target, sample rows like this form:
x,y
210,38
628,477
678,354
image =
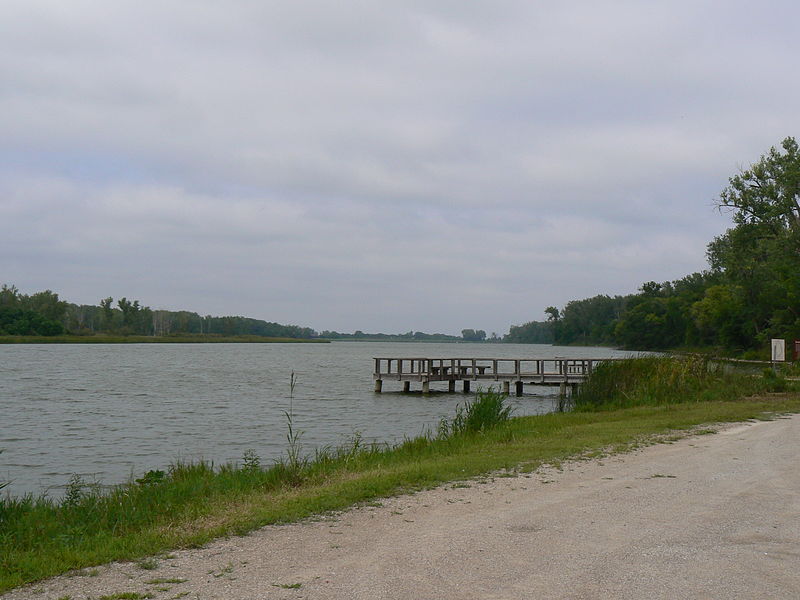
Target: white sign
x,y
778,350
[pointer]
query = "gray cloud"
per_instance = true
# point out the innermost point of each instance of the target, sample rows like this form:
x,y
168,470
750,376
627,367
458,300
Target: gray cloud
x,y
382,166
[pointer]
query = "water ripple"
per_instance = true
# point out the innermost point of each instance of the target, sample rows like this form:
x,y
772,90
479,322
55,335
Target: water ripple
x,y
116,410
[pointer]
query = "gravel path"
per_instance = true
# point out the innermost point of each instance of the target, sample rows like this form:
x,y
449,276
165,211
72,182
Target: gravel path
x,y
711,516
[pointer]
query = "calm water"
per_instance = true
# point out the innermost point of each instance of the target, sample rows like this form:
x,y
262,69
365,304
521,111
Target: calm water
x,y
108,411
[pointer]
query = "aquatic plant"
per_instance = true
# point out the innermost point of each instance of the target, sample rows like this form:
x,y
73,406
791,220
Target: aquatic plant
x,y
295,461
487,411
660,380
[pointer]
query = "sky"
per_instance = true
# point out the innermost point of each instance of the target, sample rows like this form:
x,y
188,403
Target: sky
x,y
383,166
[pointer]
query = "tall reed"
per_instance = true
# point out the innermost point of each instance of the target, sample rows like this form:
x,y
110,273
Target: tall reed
x,y
488,410
660,380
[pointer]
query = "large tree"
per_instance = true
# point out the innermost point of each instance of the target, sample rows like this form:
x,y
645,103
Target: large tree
x,y
759,258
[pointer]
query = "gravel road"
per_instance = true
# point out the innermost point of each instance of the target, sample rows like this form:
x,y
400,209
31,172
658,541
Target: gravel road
x,y
709,516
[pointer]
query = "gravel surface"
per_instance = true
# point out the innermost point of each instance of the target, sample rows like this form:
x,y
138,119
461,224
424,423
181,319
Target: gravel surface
x,y
710,516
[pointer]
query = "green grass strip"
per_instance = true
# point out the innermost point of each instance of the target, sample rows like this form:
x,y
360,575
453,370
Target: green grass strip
x,y
193,504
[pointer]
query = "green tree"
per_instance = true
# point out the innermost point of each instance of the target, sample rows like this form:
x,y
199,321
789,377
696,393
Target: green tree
x,y
768,193
48,305
472,335
760,255
130,313
9,296
106,305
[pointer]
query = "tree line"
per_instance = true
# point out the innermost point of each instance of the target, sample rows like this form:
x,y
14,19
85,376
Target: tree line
x,y
749,294
43,313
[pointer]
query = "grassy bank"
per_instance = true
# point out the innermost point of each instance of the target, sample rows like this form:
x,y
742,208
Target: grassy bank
x,y
194,503
147,339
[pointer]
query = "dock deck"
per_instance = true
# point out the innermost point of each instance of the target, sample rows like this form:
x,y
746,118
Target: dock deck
x,y
558,371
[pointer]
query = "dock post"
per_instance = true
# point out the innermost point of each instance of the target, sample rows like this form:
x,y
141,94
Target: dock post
x,y
562,390
506,388
378,385
518,386
451,386
466,386
406,386
426,387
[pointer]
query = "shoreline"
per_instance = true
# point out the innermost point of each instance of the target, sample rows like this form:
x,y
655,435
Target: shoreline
x,y
654,522
357,475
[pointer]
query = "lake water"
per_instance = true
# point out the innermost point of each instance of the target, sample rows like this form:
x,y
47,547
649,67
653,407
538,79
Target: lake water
x,y
106,412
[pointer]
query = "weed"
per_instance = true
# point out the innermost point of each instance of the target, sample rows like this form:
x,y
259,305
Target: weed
x,y
774,381
487,412
147,564
288,586
160,580
3,483
84,573
126,596
250,460
295,461
704,431
75,491
226,570
152,478
179,595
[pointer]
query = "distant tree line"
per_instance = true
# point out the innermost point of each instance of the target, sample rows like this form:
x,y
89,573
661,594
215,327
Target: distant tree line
x,y
411,336
43,313
750,293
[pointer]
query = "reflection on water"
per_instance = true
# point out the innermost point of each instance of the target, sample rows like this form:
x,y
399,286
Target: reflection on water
x,y
109,411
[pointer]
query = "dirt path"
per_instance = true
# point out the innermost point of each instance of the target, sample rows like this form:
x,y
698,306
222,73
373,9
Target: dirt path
x,y
712,516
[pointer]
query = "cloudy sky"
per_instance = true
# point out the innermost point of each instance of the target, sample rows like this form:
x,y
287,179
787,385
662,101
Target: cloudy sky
x,y
384,166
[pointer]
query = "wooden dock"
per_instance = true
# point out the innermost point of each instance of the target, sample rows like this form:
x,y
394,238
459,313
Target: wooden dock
x,y
562,372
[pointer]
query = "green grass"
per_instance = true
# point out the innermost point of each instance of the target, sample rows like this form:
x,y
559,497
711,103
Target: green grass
x,y
148,339
194,502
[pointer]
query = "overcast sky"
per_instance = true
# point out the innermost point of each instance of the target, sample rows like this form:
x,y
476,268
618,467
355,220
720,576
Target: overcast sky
x,y
384,166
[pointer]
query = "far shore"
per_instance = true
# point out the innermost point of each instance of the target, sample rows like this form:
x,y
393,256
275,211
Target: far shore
x,y
147,339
